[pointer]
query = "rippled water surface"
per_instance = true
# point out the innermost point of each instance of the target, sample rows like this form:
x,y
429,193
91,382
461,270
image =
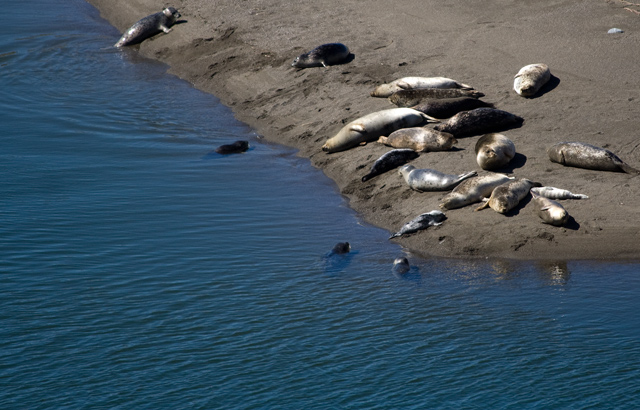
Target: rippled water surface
x,y
141,270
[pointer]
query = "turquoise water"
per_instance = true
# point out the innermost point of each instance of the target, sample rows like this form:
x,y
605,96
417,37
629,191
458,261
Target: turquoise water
x,y
139,269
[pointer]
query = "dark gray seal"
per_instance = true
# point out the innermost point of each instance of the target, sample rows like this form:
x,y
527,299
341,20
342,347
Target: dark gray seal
x,y
421,139
409,98
340,248
236,147
400,266
479,121
581,155
448,107
508,195
551,212
149,26
389,161
430,180
494,151
422,221
323,56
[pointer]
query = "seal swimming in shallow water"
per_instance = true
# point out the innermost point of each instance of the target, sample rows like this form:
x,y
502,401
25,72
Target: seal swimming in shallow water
x,y
494,151
581,155
400,266
530,79
373,126
420,139
389,161
236,147
422,221
340,248
479,121
323,56
473,190
411,83
410,98
508,195
550,211
428,180
557,193
149,26
448,107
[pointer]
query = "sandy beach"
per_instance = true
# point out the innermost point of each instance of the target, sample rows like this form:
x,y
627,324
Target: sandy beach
x,y
241,51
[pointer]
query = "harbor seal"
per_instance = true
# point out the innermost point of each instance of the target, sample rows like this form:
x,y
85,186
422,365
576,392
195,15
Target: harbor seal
x,y
429,180
400,266
551,212
410,98
448,107
373,126
422,221
473,190
479,121
557,193
323,56
410,83
389,161
508,195
581,155
340,248
236,147
419,139
530,79
149,26
494,151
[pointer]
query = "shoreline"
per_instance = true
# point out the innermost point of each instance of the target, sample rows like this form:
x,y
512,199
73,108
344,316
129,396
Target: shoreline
x,y
243,54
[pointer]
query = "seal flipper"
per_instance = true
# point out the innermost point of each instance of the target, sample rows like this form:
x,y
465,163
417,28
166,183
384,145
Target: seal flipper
x,y
628,168
485,205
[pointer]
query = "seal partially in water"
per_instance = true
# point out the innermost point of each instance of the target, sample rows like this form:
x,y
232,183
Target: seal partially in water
x,y
550,211
557,193
149,26
410,83
423,221
428,180
479,121
448,107
235,148
494,151
473,190
508,195
581,155
389,161
400,266
530,79
420,139
410,98
323,56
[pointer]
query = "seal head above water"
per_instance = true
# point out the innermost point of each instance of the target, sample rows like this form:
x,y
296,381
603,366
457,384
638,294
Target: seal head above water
x,y
149,26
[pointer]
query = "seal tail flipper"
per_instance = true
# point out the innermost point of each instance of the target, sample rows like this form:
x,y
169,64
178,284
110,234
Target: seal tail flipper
x,y
395,235
481,207
628,168
383,140
465,86
429,118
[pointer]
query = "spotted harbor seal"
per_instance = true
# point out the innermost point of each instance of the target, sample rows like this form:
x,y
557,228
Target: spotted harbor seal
x,y
581,155
423,221
448,107
557,193
473,190
479,121
149,26
323,56
373,126
530,79
494,151
508,195
410,83
420,139
236,147
428,180
550,211
410,98
400,266
389,161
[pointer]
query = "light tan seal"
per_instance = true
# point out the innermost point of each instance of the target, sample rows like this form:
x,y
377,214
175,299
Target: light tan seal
x,y
508,195
429,180
420,139
473,190
494,151
411,83
551,212
530,79
581,155
557,193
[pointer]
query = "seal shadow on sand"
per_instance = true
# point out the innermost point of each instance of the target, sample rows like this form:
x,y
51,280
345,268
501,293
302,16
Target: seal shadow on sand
x,y
518,161
549,86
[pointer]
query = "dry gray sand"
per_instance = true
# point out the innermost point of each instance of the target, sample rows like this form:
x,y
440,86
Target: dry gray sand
x,y
241,51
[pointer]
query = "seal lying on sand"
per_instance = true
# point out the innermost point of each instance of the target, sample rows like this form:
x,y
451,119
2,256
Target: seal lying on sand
x,y
448,107
409,98
494,151
479,121
424,180
389,161
374,125
550,211
473,190
420,139
149,26
410,83
323,56
557,193
236,147
530,79
508,195
423,221
581,155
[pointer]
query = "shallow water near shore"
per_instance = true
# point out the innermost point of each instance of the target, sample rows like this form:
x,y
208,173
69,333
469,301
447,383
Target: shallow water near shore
x,y
139,269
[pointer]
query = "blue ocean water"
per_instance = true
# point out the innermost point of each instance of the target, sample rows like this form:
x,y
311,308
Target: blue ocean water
x,y
139,269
